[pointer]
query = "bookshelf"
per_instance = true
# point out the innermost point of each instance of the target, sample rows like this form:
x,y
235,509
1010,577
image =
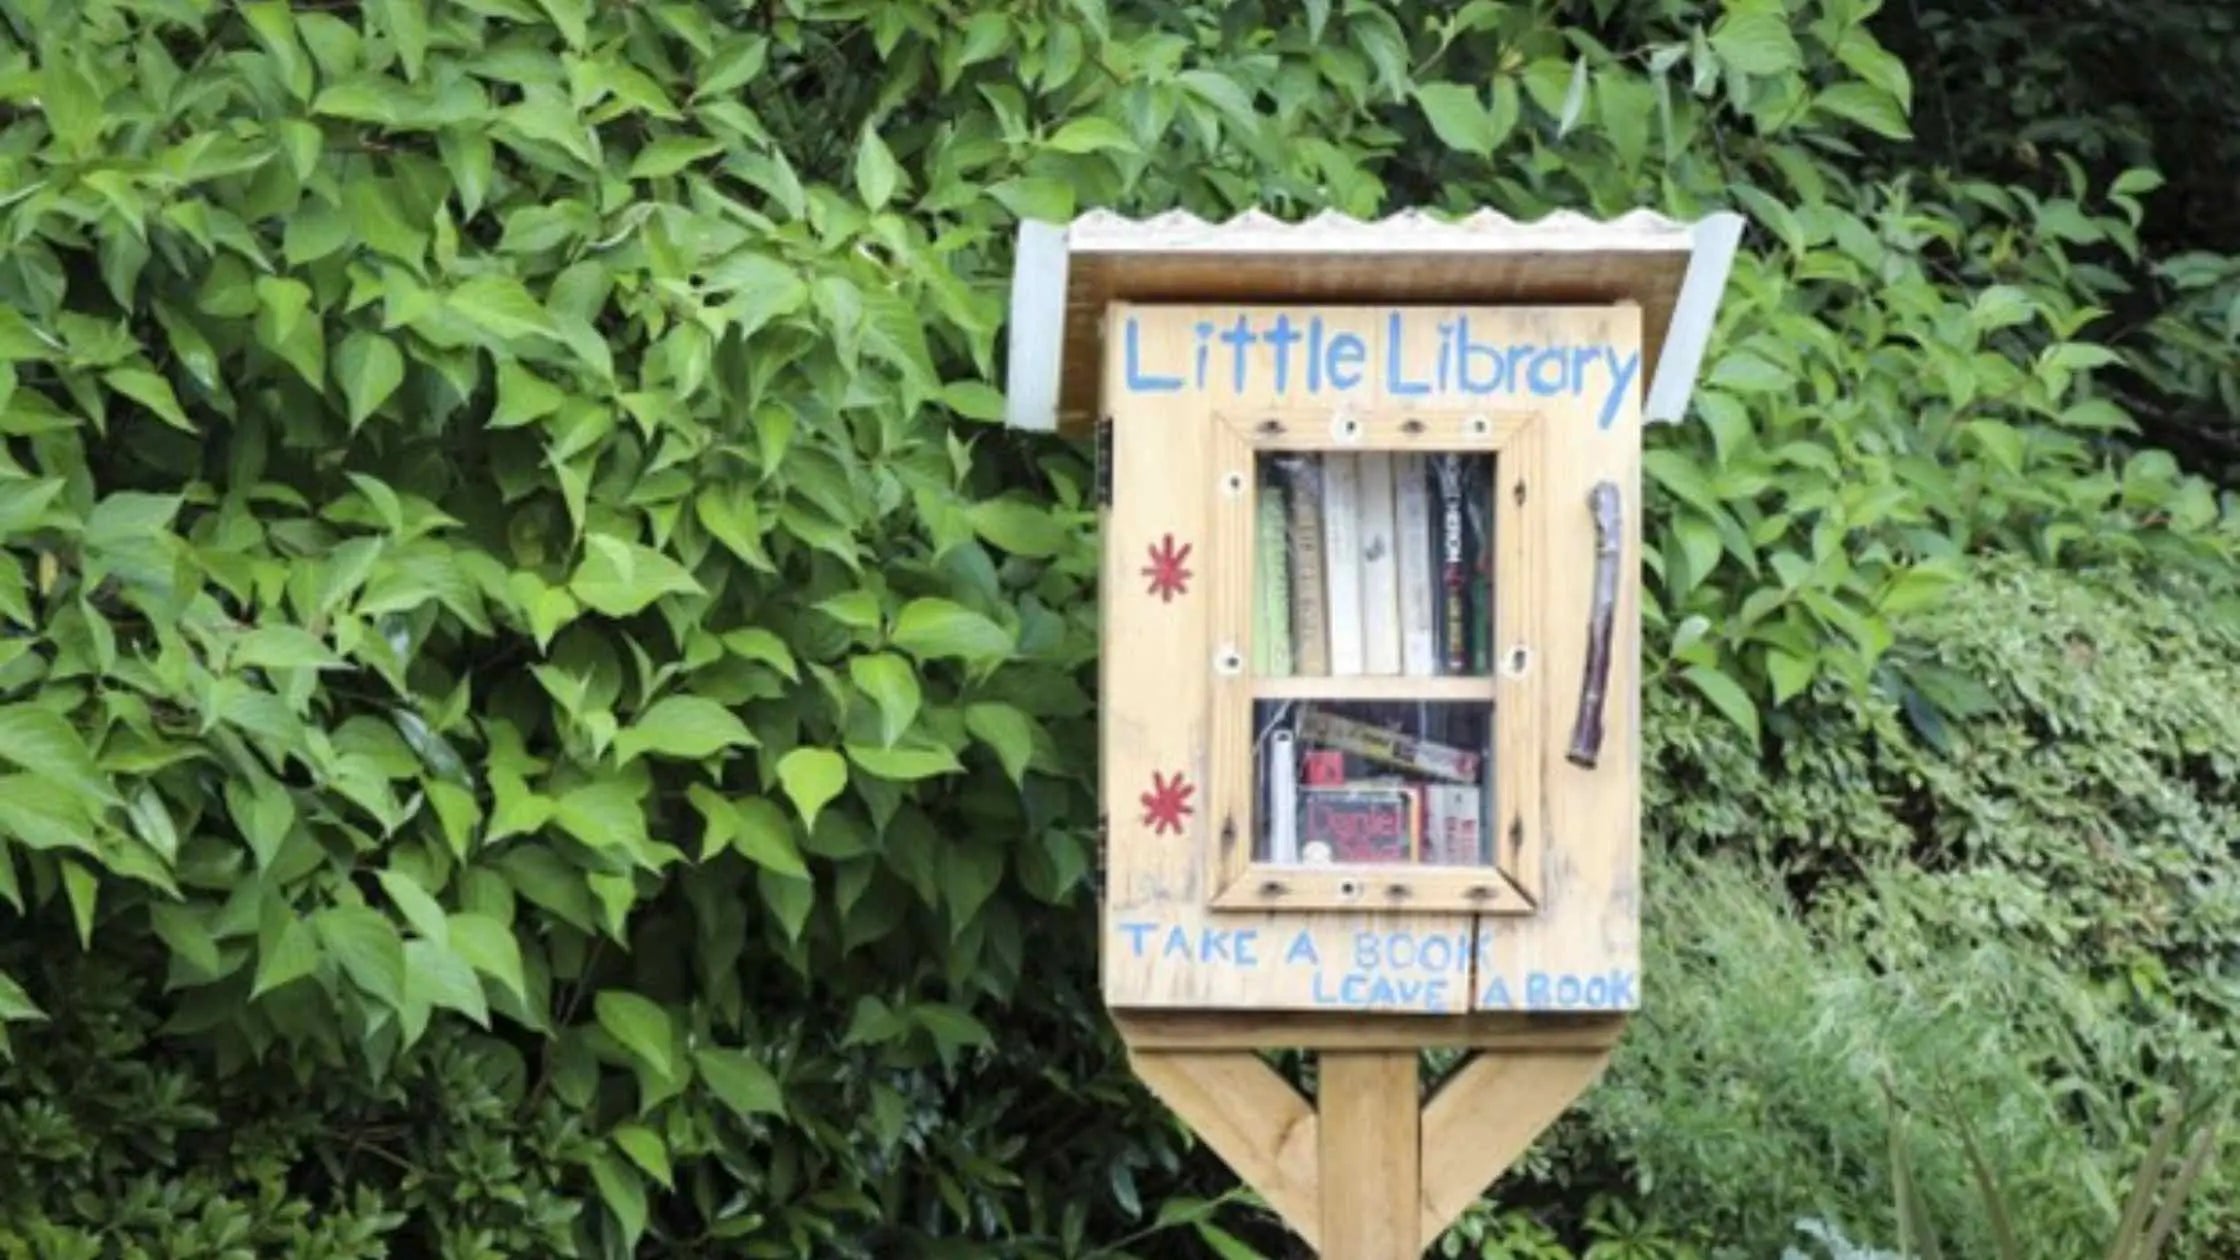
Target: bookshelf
x,y
1477,689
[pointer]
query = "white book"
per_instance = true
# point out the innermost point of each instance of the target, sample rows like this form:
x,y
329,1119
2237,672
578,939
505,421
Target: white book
x,y
1341,559
1454,831
1380,568
1411,497
1283,798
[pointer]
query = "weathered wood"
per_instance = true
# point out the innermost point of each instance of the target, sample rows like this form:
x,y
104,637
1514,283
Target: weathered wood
x,y
1344,1030
1372,1151
1251,1117
1485,1115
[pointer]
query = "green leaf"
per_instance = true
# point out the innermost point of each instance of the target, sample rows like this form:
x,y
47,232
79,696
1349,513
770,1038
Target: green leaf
x,y
645,1149
624,1195
604,815
573,17
904,764
369,368
1756,43
152,391
974,400
891,684
876,172
43,743
368,949
686,727
639,1026
811,777
1726,695
1870,107
489,947
1092,134
501,306
282,647
757,644
1019,527
670,154
439,977
406,23
763,836
1790,674
740,1082
620,578
413,902
1007,731
16,1006
731,518
293,955
931,629
1223,1244
82,889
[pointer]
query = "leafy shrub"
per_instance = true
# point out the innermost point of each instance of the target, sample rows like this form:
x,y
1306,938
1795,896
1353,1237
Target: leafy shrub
x,y
493,530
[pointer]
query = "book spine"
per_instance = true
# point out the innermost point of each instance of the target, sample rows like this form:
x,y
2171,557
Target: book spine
x,y
1271,591
1283,798
1310,622
1440,761
1412,533
1454,831
1380,567
1477,504
1341,560
1452,590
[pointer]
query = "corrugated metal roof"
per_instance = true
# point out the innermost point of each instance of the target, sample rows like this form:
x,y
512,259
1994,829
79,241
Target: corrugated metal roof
x,y
1065,275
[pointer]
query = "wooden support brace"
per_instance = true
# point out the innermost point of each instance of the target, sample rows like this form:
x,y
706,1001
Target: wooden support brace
x,y
1369,1172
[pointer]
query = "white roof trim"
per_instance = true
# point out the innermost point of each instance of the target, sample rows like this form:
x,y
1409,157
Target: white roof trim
x,y
1693,317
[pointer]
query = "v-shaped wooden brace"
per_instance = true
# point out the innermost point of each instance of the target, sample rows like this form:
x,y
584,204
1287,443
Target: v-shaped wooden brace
x,y
1370,1171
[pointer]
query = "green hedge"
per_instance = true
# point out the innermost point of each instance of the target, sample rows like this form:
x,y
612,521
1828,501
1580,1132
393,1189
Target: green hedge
x,y
498,529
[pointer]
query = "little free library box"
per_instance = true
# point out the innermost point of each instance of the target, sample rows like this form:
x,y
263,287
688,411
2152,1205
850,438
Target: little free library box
x,y
1370,498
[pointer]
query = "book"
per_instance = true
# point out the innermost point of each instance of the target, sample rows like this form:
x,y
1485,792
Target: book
x,y
1341,561
1411,497
1358,824
1380,566
1283,797
1477,546
1323,767
1301,482
1271,586
1453,830
1387,747
1451,590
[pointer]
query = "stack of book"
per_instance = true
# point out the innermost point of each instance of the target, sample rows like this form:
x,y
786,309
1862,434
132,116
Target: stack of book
x,y
1373,564
1370,785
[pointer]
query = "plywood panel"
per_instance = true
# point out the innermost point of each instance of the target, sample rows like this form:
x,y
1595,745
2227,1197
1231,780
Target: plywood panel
x,y
1168,656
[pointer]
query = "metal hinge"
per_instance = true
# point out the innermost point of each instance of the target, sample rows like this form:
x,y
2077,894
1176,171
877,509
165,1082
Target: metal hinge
x,y
1104,461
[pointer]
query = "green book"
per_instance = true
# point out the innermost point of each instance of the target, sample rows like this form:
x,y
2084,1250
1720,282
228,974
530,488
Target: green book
x,y
1271,586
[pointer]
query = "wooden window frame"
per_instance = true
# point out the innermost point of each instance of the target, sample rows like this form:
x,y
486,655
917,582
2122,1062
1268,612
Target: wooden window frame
x,y
1516,687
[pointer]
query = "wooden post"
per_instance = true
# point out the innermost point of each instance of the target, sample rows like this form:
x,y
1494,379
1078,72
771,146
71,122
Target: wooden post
x,y
1372,1155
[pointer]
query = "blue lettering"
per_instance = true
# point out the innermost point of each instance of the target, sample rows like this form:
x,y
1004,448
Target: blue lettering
x,y
1354,989
1140,382
1365,950
1321,996
1445,956
1136,932
1470,353
1346,356
1621,379
1513,363
1394,383
1445,370
1598,991
1536,991
1238,338
1314,355
1177,946
1302,950
1282,336
1245,940
1541,384
1495,996
1622,995
1212,945
1204,331
1567,990
1435,995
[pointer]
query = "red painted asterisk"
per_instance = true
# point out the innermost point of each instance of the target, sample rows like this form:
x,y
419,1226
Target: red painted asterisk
x,y
1167,803
1168,577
